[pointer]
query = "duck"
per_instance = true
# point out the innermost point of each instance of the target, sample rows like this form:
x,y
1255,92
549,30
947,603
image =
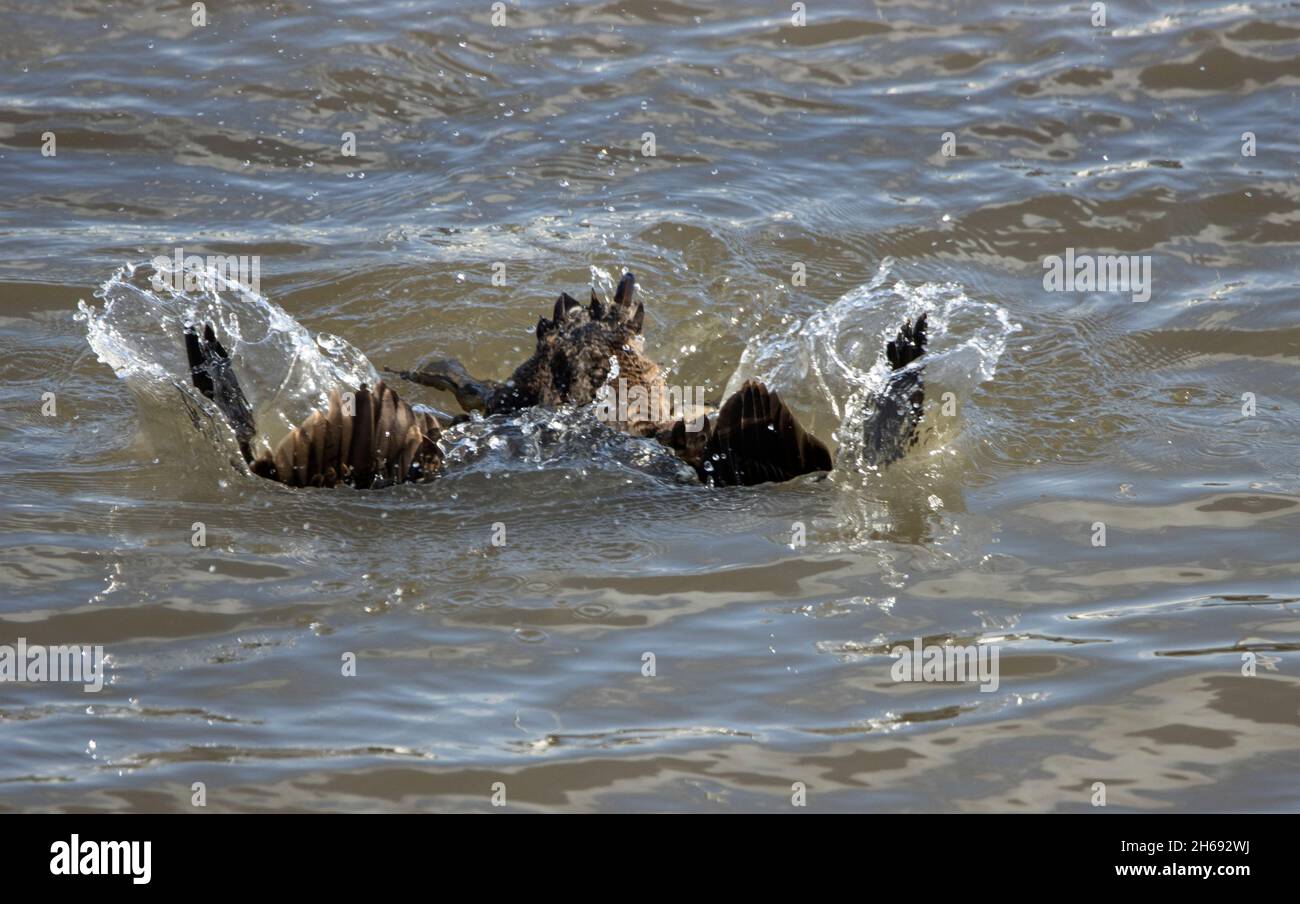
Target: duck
x,y
373,438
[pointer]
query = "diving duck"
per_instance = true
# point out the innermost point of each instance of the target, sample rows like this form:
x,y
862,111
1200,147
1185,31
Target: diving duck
x,y
373,438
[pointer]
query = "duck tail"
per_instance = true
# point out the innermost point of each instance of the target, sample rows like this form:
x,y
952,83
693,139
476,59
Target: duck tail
x,y
213,375
754,439
891,429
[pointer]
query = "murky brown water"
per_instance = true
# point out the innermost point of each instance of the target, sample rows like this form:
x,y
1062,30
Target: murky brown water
x,y
775,146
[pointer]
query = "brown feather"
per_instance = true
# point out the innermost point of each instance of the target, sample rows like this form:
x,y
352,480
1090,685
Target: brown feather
x,y
333,433
284,458
362,458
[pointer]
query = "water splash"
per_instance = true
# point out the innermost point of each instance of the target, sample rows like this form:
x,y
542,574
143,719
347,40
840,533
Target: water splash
x,y
556,438
284,371
832,364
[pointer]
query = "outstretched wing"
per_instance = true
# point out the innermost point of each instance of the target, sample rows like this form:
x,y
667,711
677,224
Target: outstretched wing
x,y
370,439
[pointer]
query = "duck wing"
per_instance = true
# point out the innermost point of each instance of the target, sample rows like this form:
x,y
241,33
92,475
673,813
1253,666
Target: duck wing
x,y
754,439
369,438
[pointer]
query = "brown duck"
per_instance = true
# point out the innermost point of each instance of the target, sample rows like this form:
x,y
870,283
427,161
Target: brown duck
x,y
372,438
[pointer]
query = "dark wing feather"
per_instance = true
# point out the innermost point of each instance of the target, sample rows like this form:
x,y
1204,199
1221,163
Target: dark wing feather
x,y
757,439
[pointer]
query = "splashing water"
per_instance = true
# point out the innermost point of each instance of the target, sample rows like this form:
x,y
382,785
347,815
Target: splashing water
x,y
283,370
553,438
833,364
